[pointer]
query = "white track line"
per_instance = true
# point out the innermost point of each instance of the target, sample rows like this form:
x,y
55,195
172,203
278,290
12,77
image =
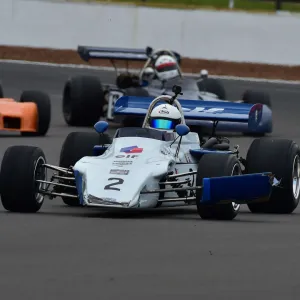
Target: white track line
x,y
110,69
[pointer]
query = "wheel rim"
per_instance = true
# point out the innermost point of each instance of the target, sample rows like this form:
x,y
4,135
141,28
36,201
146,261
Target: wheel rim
x,y
296,177
40,173
236,170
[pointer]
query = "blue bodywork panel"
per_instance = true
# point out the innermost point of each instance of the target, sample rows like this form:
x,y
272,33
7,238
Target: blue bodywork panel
x,y
241,189
198,111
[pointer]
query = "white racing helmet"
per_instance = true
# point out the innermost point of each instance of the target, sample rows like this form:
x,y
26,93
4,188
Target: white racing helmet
x,y
166,68
165,117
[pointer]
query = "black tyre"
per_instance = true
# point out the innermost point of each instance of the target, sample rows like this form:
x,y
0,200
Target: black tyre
x,y
217,165
83,99
1,92
253,97
126,80
21,166
43,104
76,146
281,157
133,121
213,86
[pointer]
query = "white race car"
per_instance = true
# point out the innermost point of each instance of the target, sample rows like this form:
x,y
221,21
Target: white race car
x,y
152,168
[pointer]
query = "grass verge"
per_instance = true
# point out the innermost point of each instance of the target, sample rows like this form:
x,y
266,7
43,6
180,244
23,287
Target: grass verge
x,y
247,5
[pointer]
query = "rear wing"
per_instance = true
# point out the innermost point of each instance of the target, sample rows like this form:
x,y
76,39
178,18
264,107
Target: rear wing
x,y
86,53
196,110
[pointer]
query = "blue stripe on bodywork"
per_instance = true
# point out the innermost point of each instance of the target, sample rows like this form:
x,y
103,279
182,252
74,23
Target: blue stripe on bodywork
x,y
240,189
78,180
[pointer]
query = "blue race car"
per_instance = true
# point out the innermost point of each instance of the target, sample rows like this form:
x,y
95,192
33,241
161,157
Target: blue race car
x,y
86,99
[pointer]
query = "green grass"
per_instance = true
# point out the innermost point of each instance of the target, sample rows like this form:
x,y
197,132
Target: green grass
x,y
249,5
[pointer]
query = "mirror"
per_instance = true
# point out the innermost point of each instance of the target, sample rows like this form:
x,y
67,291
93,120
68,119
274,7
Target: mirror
x,y
101,126
182,129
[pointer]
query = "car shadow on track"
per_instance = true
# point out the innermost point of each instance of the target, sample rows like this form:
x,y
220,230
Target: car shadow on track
x,y
176,214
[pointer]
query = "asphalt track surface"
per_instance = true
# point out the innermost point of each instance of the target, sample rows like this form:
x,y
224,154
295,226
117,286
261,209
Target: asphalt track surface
x,y
72,253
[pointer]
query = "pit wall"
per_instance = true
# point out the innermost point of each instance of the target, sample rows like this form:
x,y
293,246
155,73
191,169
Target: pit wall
x,y
202,34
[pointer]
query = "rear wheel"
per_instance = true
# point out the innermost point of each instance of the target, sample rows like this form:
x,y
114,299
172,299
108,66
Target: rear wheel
x,y
254,97
21,167
76,146
43,104
217,165
83,100
281,157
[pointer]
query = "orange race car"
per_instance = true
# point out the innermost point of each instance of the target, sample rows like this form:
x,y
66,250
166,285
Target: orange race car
x,y
31,115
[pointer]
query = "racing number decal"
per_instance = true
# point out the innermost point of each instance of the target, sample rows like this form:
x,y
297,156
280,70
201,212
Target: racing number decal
x,y
109,186
209,110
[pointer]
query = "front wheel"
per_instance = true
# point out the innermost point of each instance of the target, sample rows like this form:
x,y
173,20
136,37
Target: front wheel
x,y
282,158
21,167
83,100
43,104
217,165
76,146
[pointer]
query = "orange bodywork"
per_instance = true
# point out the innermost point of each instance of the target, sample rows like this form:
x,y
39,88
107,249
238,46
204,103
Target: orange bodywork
x,y
18,116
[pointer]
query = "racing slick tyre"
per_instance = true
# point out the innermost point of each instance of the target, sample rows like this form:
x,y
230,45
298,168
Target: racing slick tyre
x,y
43,104
126,80
21,167
134,121
76,146
254,97
83,100
1,92
217,165
213,86
282,158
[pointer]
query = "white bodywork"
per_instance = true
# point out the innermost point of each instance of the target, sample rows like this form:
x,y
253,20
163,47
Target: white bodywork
x,y
116,178
145,170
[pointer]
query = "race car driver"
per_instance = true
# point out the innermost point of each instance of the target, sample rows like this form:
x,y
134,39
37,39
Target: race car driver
x,y
165,117
165,68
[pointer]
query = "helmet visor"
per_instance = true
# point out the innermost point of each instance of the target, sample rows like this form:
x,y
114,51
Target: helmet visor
x,y
163,124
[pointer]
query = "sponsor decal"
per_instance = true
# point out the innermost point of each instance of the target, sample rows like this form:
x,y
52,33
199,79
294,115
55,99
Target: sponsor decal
x,y
163,112
122,163
132,149
126,156
119,172
204,110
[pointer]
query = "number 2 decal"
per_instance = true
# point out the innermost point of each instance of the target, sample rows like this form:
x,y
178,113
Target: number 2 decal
x,y
109,186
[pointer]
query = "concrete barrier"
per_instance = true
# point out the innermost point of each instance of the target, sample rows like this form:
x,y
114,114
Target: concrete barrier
x,y
232,36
